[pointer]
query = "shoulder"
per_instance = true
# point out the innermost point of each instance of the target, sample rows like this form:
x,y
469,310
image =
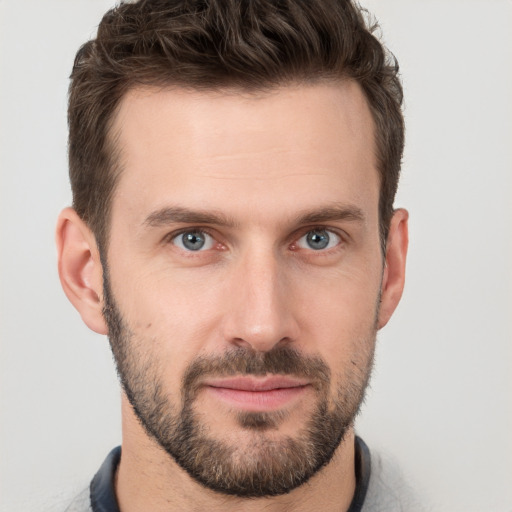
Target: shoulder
x,y
80,503
388,490
69,501
100,491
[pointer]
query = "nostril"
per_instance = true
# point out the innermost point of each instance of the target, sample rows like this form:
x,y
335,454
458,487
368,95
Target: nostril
x,y
260,343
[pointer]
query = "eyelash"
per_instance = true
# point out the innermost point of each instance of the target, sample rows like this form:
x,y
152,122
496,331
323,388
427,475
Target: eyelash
x,y
175,236
170,238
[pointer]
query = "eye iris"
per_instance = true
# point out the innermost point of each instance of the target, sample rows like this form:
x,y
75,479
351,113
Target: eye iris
x,y
193,241
318,240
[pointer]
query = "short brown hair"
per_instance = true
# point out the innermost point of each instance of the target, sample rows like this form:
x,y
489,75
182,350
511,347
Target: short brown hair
x,y
213,44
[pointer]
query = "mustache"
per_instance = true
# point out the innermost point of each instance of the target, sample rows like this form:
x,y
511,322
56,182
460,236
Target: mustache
x,y
242,361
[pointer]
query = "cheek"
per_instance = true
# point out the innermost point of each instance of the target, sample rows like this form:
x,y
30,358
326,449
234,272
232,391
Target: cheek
x,y
338,310
343,327
172,314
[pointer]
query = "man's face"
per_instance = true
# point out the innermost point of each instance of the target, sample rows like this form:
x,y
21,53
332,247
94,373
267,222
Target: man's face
x,y
244,274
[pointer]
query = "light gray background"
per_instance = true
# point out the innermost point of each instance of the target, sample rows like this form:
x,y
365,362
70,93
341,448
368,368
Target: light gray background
x,y
441,394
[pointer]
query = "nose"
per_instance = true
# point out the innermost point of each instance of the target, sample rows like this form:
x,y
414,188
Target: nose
x,y
260,311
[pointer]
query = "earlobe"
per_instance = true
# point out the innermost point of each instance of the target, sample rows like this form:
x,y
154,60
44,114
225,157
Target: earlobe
x,y
80,270
393,279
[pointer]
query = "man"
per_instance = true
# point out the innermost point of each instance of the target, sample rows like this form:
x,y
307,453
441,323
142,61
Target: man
x,y
233,167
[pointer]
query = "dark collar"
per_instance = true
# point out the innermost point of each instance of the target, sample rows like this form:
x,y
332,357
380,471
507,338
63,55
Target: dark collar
x,y
363,469
103,495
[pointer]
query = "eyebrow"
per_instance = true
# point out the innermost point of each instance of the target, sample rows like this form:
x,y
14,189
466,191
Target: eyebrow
x,y
332,213
177,214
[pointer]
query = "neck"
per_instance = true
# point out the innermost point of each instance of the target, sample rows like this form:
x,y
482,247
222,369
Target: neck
x,y
149,479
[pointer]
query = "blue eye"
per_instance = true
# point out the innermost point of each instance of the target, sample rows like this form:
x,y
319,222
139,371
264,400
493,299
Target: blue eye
x,y
193,241
318,240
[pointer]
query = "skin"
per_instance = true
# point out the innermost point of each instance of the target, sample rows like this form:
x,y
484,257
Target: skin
x,y
262,163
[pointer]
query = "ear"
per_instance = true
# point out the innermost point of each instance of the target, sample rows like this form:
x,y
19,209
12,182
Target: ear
x,y
80,270
393,278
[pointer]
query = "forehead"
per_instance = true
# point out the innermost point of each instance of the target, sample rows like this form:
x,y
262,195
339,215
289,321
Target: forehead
x,y
231,149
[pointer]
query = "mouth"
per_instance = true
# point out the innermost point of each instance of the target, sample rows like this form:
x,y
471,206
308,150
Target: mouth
x,y
257,394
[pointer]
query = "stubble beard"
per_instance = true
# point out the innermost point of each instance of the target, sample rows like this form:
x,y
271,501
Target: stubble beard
x,y
267,465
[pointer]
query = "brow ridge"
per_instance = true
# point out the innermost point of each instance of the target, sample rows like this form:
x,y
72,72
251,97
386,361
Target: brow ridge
x,y
332,213
178,214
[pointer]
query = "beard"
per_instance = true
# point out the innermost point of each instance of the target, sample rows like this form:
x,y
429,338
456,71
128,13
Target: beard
x,y
267,465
